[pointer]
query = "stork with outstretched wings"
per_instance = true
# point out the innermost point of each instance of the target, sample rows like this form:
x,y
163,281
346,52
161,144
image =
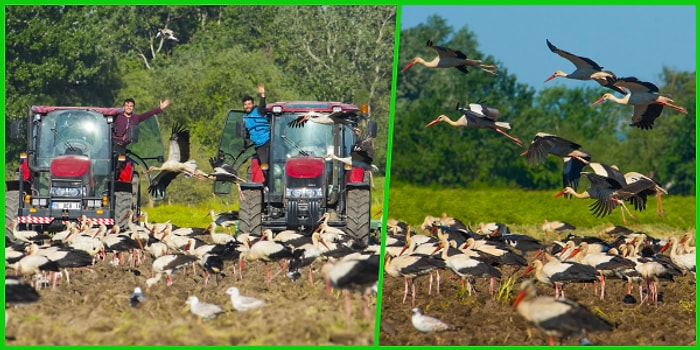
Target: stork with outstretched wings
x,y
178,162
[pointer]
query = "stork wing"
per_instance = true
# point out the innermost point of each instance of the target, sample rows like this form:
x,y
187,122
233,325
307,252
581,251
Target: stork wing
x,y
645,115
634,85
446,52
298,122
179,150
160,182
578,61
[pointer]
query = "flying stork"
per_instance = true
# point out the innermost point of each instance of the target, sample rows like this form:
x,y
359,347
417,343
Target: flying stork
x,y
450,58
178,162
586,69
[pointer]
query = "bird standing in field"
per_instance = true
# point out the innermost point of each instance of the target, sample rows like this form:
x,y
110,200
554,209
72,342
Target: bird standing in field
x,y
178,162
451,58
645,97
137,297
427,324
478,116
586,69
243,303
203,310
556,317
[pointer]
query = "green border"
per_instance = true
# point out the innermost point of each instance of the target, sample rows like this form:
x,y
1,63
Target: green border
x,y
399,4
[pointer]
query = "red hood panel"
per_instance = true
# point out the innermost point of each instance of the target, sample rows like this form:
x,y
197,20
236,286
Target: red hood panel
x,y
70,166
305,168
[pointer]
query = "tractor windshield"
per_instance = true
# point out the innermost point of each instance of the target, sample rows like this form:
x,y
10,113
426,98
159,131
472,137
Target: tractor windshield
x,y
310,140
73,132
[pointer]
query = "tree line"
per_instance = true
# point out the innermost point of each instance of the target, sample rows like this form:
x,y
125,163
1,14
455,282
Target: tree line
x,y
100,55
458,157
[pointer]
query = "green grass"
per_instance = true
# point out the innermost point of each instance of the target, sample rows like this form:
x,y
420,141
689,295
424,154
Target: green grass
x,y
525,211
194,215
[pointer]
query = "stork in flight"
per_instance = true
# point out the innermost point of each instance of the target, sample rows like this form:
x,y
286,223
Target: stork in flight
x,y
586,69
450,58
322,118
178,162
610,188
478,116
645,97
166,34
574,159
226,173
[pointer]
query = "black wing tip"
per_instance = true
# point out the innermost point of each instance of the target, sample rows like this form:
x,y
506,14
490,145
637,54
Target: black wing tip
x,y
429,43
551,46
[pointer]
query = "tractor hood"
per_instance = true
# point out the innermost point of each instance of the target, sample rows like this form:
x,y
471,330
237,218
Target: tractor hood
x,y
70,166
305,167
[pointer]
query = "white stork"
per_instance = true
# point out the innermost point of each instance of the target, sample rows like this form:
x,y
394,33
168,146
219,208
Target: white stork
x,y
574,158
478,116
586,69
166,34
178,162
645,97
450,58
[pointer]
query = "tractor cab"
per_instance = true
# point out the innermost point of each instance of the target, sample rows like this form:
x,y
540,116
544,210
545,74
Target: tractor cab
x,y
302,182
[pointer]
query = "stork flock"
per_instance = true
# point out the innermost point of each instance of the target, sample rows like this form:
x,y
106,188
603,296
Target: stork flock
x,y
609,187
493,254
49,261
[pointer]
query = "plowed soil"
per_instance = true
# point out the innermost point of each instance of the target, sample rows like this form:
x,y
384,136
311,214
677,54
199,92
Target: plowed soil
x,y
483,319
94,310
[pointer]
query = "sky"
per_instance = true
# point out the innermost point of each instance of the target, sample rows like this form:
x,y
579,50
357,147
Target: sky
x,y
628,40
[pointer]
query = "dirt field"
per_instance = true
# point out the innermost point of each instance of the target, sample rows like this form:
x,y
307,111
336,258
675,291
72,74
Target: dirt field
x,y
94,310
487,321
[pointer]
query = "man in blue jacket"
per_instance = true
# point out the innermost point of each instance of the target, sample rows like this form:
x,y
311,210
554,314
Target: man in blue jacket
x,y
258,126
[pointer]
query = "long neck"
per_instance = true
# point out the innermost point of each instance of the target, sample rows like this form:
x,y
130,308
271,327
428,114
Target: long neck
x,y
459,122
432,64
622,100
582,195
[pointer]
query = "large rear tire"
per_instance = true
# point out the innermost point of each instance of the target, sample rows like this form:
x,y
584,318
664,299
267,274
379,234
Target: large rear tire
x,y
358,214
121,208
250,212
11,210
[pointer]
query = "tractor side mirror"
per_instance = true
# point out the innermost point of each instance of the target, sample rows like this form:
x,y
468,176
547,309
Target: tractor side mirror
x,y
372,128
133,133
15,129
240,129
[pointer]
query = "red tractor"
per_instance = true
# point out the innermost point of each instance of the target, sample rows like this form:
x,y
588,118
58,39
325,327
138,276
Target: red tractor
x,y
70,169
303,183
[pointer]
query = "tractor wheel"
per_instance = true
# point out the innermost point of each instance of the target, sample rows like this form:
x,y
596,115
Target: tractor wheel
x,y
358,214
121,208
135,193
250,212
11,209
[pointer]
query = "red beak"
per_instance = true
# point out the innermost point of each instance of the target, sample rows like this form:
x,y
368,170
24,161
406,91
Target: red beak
x,y
551,77
529,268
407,67
432,123
559,194
598,101
520,297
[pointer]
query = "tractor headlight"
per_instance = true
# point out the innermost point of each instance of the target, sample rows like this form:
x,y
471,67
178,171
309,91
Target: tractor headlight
x,y
304,193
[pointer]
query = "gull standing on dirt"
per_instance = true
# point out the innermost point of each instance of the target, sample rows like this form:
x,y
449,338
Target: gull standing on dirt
x,y
427,324
137,297
203,310
243,303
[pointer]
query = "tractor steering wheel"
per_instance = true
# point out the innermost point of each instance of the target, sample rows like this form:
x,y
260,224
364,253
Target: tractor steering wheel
x,y
81,146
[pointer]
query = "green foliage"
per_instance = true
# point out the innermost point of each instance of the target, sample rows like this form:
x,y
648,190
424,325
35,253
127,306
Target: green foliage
x,y
468,158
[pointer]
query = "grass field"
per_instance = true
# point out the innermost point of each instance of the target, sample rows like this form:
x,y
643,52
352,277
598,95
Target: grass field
x,y
525,211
